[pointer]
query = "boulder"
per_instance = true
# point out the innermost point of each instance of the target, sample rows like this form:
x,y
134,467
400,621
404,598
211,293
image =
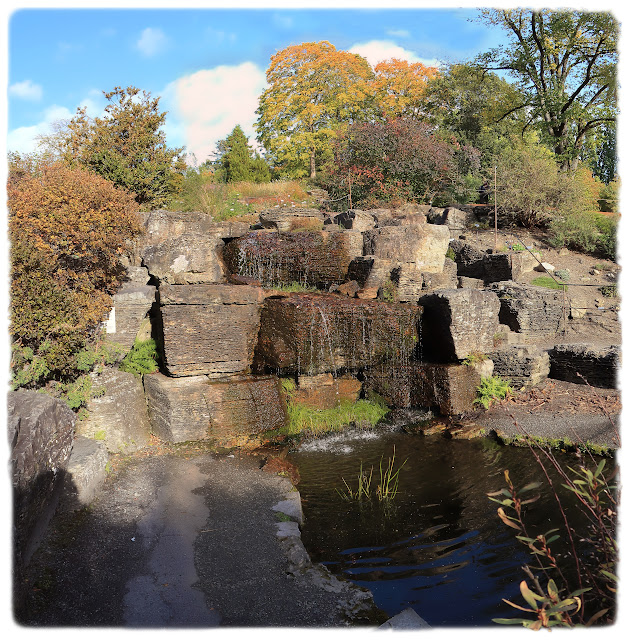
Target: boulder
x,y
469,259
310,334
118,416
131,305
353,219
244,406
530,310
370,271
40,432
209,328
324,391
188,258
457,322
455,219
545,267
288,219
87,470
469,283
196,408
314,258
447,279
177,407
449,389
424,244
598,366
507,266
522,365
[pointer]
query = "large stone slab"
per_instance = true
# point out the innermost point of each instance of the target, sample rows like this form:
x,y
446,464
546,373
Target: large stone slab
x,y
196,408
449,389
40,433
424,244
87,471
598,366
522,365
288,219
209,328
317,259
188,258
245,406
458,322
530,310
325,391
353,219
177,407
118,415
131,305
312,334
491,267
455,219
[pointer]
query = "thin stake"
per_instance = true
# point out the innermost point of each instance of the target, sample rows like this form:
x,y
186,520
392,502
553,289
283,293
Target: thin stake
x,y
495,201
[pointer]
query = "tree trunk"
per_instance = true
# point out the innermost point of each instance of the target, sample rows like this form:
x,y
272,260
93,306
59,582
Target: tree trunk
x,y
312,164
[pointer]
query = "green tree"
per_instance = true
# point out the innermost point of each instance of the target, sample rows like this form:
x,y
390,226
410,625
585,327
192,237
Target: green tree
x,y
238,162
565,65
127,147
313,89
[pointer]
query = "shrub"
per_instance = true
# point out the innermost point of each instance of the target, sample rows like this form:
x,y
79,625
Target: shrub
x,y
491,389
68,228
588,232
397,161
142,358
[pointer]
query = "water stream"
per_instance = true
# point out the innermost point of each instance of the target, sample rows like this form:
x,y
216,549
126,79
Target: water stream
x,y
441,549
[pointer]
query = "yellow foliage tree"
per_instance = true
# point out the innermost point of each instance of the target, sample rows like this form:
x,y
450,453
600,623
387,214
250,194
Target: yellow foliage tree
x,y
313,89
400,87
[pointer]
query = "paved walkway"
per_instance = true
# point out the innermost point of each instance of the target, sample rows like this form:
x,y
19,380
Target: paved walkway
x,y
177,542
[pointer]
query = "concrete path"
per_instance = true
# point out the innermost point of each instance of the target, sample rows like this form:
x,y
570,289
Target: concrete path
x,y
187,542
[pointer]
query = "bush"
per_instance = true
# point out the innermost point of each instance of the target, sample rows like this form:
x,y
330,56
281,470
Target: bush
x,y
531,189
68,228
397,161
491,389
588,232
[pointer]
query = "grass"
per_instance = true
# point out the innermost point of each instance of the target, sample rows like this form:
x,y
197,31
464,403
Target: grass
x,y
363,413
547,282
563,445
297,287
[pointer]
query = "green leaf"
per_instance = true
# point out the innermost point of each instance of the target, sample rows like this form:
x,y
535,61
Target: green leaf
x,y
529,487
530,597
510,620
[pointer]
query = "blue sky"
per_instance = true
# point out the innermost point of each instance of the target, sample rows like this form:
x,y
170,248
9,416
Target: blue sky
x,y
208,66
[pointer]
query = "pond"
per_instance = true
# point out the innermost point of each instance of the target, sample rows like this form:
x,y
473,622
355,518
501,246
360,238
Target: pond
x,y
440,548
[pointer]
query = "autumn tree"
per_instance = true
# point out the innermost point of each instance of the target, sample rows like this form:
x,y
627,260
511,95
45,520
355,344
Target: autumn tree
x,y
238,162
387,163
127,146
313,89
400,88
565,65
68,228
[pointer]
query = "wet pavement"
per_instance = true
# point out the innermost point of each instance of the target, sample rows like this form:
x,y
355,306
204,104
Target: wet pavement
x,y
176,541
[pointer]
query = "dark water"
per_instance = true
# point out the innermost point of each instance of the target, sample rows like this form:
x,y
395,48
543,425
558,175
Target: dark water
x,y
441,549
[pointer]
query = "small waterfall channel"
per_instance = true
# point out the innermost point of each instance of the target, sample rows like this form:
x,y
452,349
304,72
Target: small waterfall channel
x,y
440,548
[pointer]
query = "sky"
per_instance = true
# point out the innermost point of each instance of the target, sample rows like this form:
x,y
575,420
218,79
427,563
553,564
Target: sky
x,y
206,65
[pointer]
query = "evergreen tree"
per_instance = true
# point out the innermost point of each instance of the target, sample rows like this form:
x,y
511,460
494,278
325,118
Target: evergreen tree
x,y
237,161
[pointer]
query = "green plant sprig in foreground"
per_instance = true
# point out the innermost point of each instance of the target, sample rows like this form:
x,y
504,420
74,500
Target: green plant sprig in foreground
x,y
491,389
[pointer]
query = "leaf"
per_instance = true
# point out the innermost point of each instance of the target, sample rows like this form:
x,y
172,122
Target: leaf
x,y
509,620
529,487
609,575
595,617
506,520
530,597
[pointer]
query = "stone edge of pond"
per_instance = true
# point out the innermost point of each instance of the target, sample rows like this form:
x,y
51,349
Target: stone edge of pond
x,y
355,603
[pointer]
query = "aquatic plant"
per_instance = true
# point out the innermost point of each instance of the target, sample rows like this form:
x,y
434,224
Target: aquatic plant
x,y
386,489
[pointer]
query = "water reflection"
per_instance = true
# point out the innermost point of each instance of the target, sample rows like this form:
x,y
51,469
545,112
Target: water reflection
x,y
440,548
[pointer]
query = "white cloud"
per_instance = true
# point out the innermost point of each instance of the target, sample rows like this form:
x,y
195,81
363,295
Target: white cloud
x,y
204,107
398,33
151,42
26,90
24,139
378,50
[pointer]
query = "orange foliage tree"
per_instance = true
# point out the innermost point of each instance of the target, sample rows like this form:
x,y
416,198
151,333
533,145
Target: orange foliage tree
x,y
313,89
68,228
400,88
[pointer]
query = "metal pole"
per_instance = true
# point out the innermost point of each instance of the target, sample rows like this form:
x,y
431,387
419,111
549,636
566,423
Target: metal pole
x,y
495,200
350,196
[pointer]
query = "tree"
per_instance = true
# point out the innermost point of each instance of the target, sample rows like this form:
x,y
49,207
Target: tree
x,y
67,228
565,64
238,162
313,88
127,146
400,88
397,161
